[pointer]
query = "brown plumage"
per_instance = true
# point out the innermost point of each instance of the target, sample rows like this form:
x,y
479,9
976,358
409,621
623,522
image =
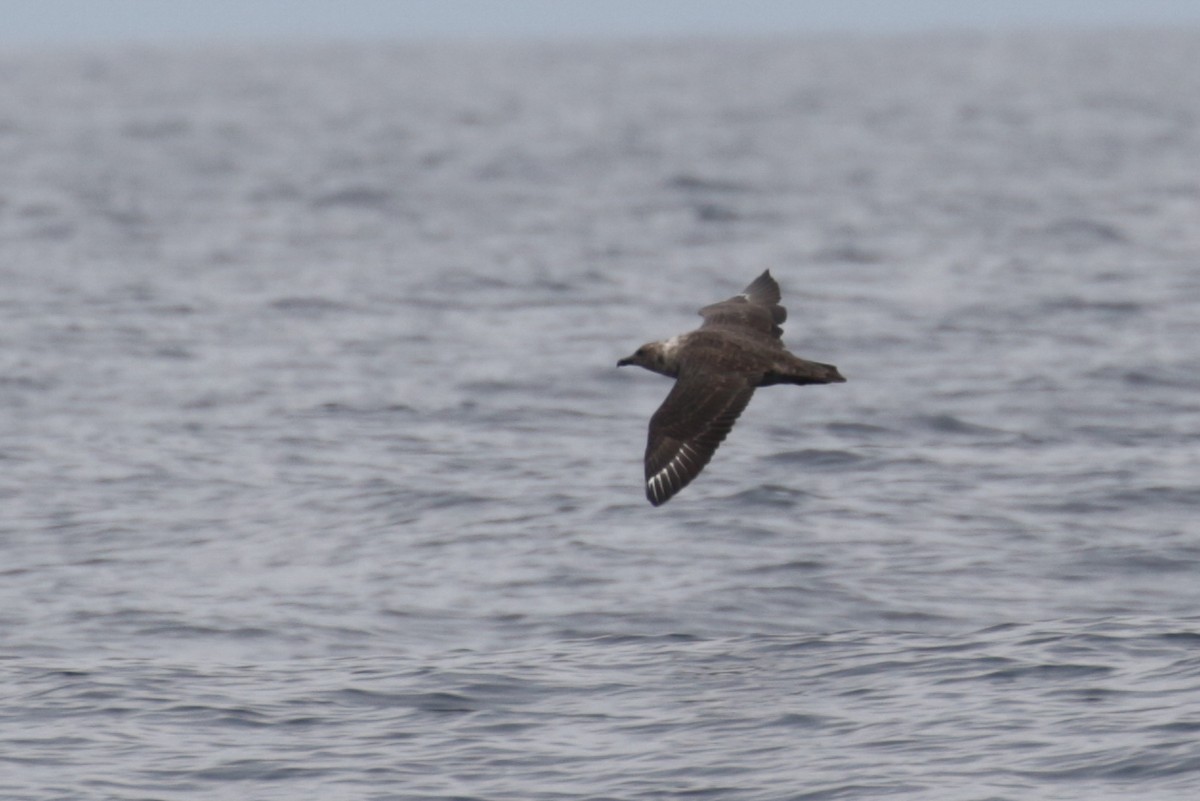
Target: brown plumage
x,y
717,367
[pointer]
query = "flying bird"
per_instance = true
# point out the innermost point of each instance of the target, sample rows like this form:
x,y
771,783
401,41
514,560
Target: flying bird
x,y
716,369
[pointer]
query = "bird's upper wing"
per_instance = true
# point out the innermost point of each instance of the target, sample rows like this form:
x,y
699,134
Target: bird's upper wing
x,y
685,431
755,310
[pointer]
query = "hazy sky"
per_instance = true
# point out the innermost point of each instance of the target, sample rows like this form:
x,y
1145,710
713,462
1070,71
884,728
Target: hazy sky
x,y
37,22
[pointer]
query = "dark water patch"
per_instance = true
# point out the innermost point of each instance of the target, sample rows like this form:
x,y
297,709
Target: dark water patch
x,y
776,495
1122,433
1159,496
40,210
53,230
950,424
1046,672
621,626
162,128
217,716
859,431
849,254
174,353
799,720
715,213
786,568
1120,765
1187,727
817,458
1153,375
668,640
173,309
688,182
917,618
1077,234
355,197
1038,383
1087,695
27,383
191,631
1139,561
258,770
435,701
490,387
1081,506
342,409
309,306
1079,304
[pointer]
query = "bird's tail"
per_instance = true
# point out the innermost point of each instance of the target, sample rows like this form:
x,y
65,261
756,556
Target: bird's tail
x,y
802,371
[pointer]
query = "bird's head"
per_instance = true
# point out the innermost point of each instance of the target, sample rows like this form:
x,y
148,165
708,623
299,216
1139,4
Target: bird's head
x,y
653,356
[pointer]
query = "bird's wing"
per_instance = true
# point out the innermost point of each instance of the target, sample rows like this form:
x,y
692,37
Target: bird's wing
x,y
755,310
685,431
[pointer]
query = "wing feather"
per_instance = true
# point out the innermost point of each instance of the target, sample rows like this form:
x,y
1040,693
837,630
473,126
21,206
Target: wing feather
x,y
694,419
756,309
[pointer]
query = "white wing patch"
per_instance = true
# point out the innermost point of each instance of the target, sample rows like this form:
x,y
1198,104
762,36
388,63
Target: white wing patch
x,y
675,474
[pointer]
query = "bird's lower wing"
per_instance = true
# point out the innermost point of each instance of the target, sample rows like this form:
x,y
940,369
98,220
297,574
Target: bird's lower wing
x,y
686,430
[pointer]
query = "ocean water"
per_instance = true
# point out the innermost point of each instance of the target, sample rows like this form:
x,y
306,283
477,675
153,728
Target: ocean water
x,y
318,480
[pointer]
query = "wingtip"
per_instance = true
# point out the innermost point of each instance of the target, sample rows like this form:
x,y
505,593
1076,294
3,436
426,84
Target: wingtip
x,y
657,492
763,290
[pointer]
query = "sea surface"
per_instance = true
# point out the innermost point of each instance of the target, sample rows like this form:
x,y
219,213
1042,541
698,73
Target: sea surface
x,y
318,479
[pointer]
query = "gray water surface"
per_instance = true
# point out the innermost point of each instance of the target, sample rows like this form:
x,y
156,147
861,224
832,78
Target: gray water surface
x,y
317,479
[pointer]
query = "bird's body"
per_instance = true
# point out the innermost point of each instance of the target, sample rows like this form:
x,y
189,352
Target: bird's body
x,y
716,369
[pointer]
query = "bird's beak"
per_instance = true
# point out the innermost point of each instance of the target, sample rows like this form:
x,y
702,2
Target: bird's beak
x,y
622,362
